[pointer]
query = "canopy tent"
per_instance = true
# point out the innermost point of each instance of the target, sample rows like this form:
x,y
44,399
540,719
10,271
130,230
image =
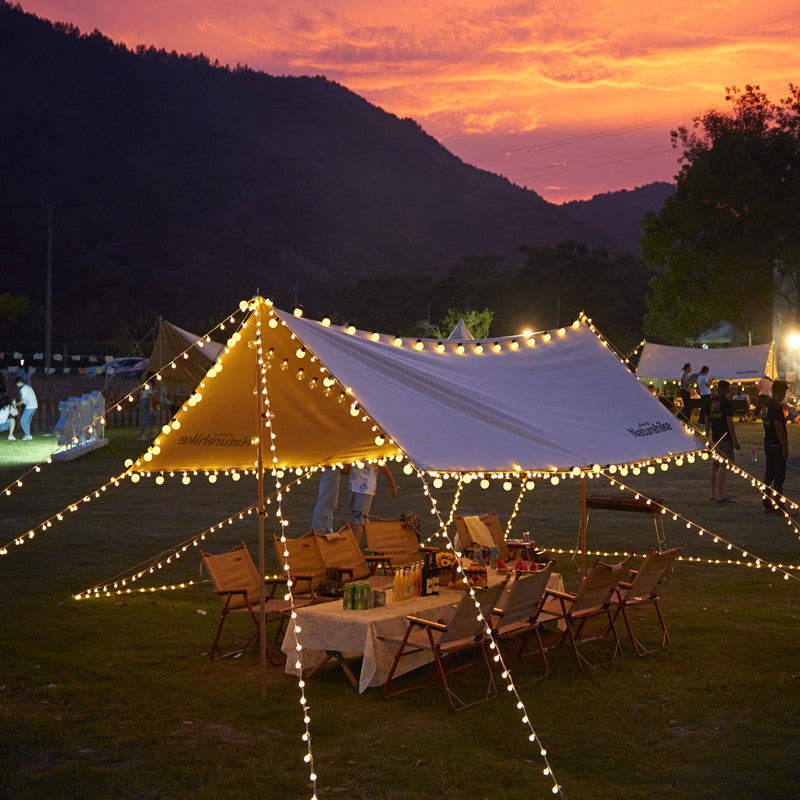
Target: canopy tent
x,y
662,362
336,395
169,345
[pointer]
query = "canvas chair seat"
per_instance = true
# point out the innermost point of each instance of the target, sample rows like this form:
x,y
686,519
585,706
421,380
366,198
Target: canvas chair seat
x,y
643,590
485,530
519,608
343,558
238,584
461,633
304,562
395,540
592,600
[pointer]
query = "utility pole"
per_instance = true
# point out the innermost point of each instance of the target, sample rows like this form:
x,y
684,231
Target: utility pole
x,y
48,301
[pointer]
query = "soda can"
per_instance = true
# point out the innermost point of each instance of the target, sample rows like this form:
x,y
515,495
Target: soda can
x,y
347,597
364,590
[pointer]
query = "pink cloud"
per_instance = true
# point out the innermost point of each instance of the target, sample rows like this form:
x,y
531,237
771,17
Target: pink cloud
x,y
472,70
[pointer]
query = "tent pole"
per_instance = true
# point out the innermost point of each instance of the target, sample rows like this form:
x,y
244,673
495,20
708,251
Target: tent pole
x,y
583,526
261,510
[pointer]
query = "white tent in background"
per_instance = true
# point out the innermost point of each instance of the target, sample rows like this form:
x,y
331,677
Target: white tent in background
x,y
461,331
662,362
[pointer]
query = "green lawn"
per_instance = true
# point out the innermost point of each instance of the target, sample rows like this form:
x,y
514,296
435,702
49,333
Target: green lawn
x,y
116,697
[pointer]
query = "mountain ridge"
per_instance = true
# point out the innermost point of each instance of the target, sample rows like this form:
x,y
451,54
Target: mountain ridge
x,y
178,182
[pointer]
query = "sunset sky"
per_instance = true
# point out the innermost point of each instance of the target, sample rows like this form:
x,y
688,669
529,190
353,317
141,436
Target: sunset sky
x,y
567,97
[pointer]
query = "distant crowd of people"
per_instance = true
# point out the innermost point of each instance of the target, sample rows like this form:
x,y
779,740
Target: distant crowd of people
x,y
773,406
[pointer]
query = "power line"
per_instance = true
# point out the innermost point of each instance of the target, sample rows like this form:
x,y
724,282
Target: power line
x,y
585,163
577,139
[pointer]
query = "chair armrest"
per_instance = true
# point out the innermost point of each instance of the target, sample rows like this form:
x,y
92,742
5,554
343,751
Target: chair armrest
x,y
562,595
625,584
231,591
426,623
376,558
428,549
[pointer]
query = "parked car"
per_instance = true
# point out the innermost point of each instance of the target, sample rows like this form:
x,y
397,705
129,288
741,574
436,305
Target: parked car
x,y
130,367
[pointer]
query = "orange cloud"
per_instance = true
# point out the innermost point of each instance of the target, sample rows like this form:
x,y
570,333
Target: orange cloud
x,y
474,69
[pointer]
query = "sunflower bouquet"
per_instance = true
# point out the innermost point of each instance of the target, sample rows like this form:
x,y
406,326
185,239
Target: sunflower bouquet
x,y
444,559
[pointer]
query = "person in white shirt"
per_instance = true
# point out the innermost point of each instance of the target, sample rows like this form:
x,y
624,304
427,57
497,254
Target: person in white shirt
x,y
704,390
27,397
7,414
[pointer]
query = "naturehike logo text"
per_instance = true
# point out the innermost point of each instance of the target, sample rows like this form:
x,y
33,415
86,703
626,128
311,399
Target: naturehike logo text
x,y
650,428
214,440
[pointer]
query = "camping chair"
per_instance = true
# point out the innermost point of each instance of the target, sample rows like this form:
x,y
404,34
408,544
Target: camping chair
x,y
643,589
394,540
593,599
305,565
307,568
486,531
462,632
518,609
343,558
238,583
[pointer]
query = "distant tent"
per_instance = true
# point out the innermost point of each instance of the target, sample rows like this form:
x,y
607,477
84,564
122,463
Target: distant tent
x,y
662,362
461,332
170,343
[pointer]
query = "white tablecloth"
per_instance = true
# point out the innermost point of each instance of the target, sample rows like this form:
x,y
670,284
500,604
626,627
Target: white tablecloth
x,y
327,626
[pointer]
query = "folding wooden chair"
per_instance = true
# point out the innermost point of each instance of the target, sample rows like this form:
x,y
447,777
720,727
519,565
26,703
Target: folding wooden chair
x,y
343,558
394,540
518,610
592,600
643,590
485,530
237,582
308,569
301,559
464,631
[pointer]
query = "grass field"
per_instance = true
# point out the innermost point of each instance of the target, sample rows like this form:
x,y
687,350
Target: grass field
x,y
116,697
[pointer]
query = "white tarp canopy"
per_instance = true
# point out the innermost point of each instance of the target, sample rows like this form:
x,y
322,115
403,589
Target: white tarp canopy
x,y
662,362
499,405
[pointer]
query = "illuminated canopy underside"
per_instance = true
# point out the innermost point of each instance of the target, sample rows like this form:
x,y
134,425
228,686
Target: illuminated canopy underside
x,y
561,403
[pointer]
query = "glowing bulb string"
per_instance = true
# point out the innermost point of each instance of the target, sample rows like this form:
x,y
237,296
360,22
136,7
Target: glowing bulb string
x,y
522,489
308,758
59,515
767,492
758,564
101,419
118,584
493,644
716,538
356,409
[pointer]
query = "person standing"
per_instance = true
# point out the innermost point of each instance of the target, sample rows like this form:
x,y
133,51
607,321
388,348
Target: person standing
x,y
764,393
7,413
704,390
363,484
722,434
147,414
27,397
327,500
685,392
776,444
